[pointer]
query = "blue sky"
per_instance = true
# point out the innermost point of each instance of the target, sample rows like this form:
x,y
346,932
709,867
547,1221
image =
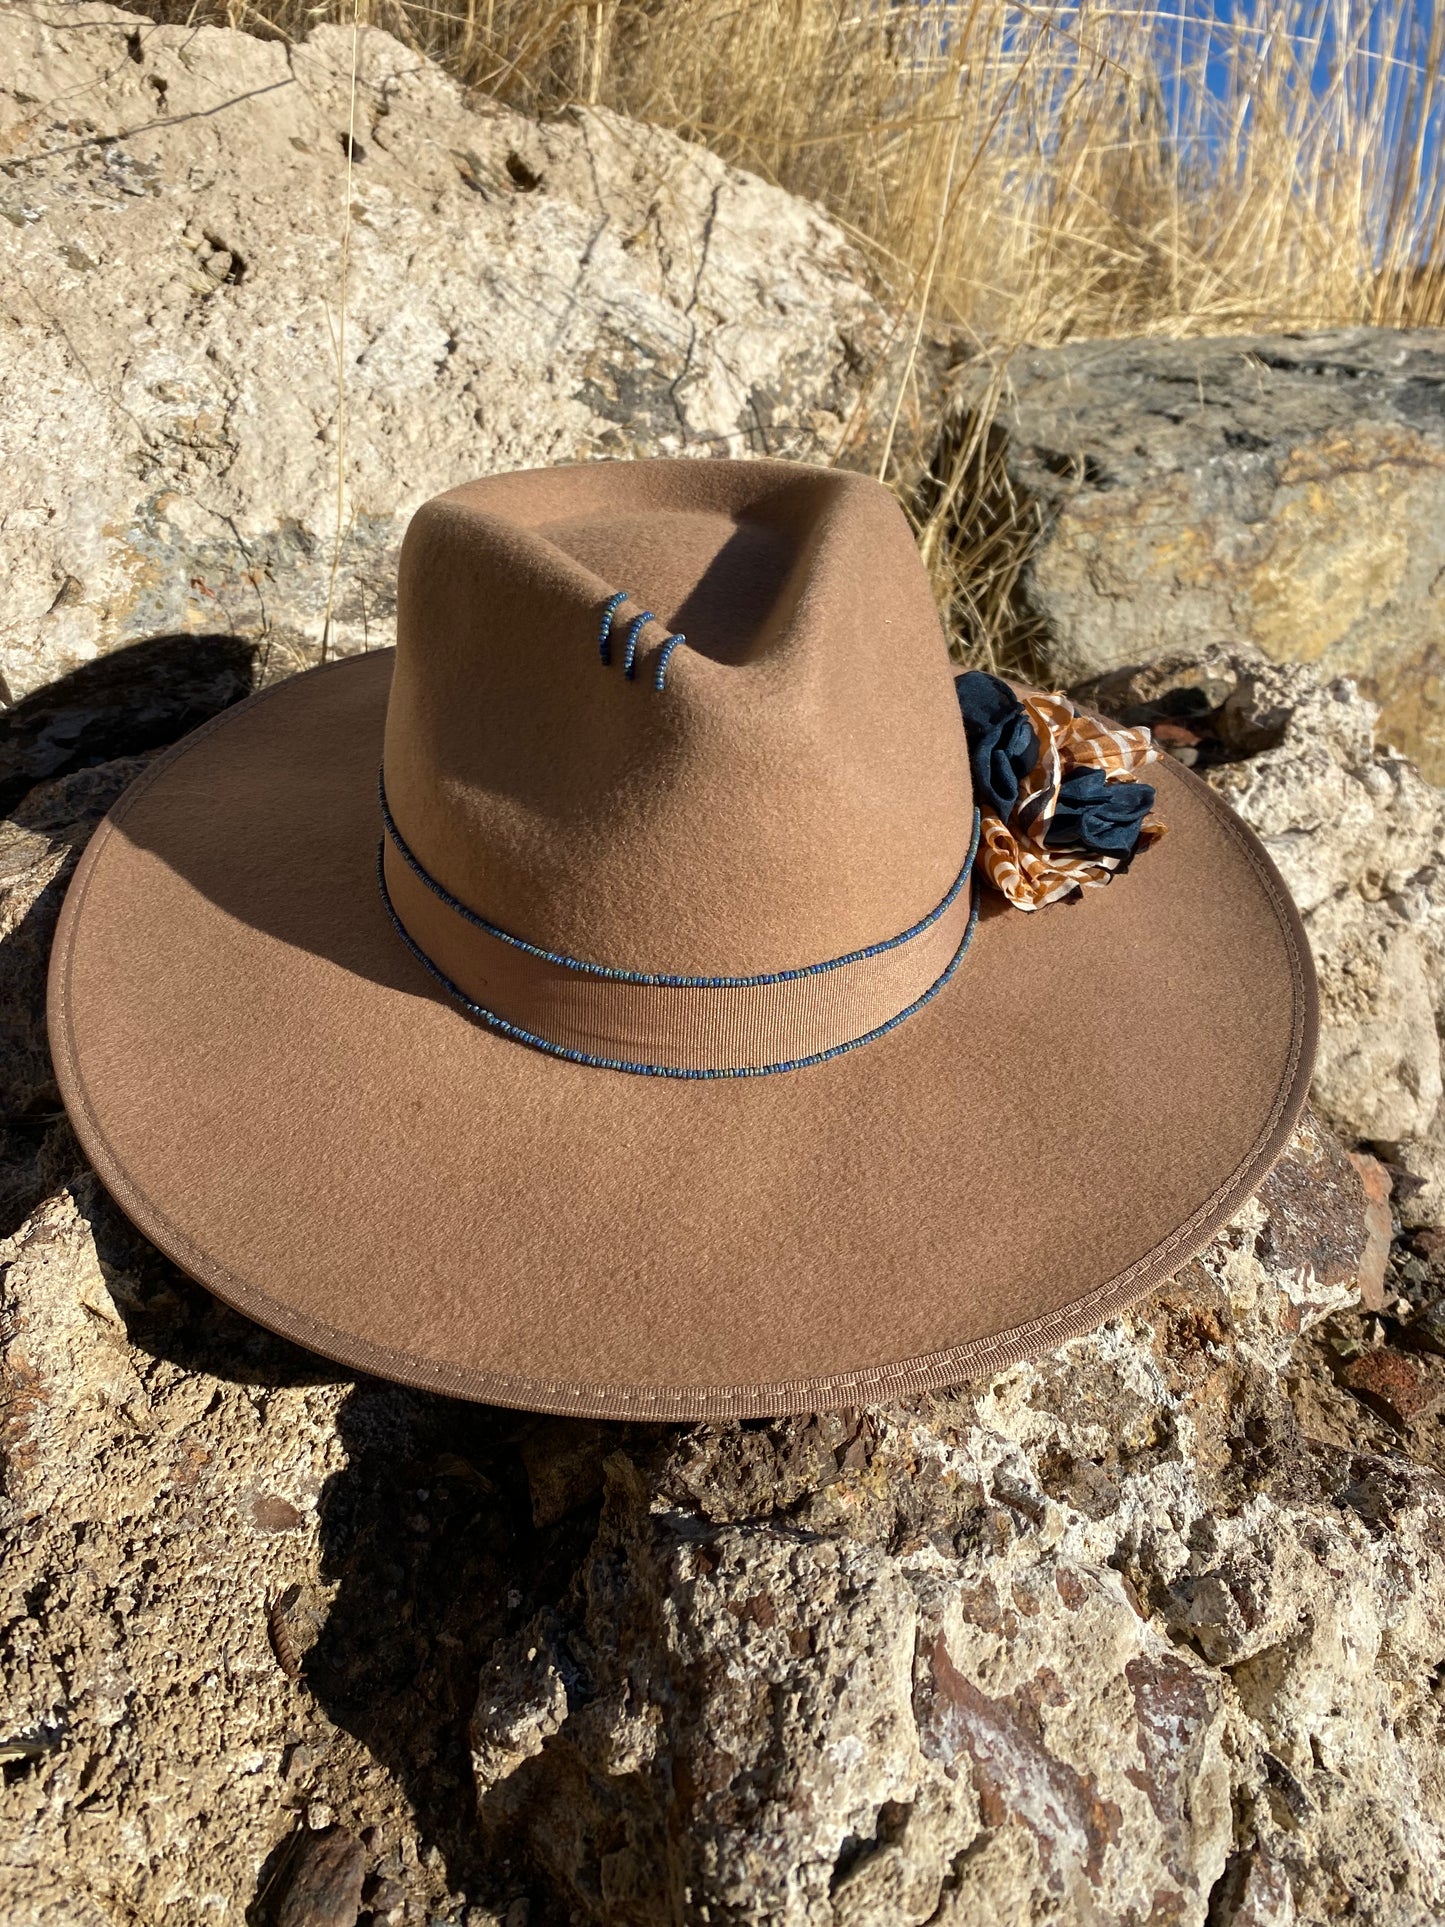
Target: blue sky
x,y
1387,41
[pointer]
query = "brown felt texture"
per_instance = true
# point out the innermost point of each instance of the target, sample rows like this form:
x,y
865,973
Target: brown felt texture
x,y
803,765
287,1104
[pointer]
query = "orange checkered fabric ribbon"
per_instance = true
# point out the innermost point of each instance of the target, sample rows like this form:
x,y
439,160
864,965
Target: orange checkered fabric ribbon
x,y
1058,809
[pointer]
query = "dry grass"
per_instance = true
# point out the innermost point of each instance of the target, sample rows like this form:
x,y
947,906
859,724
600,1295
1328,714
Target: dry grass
x,y
1025,172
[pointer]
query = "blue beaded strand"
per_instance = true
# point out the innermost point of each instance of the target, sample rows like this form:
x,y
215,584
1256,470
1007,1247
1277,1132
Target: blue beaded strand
x,y
667,649
604,639
663,978
515,1031
634,630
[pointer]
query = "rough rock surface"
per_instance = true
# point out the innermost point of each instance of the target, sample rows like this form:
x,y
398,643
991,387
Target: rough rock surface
x,y
245,1601
1359,838
171,212
1287,492
1149,1630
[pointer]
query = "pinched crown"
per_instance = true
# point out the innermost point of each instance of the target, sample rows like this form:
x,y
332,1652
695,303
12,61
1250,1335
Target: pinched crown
x,y
787,783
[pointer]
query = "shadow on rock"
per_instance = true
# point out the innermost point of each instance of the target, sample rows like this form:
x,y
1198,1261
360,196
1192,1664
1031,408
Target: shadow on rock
x,y
169,1316
66,753
126,703
38,1154
449,1527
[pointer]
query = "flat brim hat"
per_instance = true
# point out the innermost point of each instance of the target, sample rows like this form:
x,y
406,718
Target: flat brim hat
x,y
627,996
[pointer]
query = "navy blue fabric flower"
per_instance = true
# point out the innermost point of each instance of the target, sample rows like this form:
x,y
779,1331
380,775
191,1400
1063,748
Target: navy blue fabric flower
x,y
1093,814
1002,745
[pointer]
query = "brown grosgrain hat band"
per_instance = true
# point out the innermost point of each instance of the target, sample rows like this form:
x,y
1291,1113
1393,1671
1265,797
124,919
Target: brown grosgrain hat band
x,y
658,1023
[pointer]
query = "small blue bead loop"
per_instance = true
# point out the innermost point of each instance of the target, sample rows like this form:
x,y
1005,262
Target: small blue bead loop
x,y
667,649
634,630
604,638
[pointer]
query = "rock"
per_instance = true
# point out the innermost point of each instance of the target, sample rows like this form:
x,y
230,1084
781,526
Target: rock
x,y
564,1466
1379,1229
1261,1896
1395,1385
1379,1061
517,294
1283,491
323,1881
1359,838
1419,1173
1428,1329
168,1756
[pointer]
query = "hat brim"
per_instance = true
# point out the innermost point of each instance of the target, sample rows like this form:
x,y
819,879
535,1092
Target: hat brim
x,y
286,1104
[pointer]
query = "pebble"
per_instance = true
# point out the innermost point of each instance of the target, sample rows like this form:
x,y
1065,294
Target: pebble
x,y
1393,1385
1427,1328
324,1884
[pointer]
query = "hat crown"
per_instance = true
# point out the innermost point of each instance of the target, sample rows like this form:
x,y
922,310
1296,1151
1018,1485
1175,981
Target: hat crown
x,y
796,789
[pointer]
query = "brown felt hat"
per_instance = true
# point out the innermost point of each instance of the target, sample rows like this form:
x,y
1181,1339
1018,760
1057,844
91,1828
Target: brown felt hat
x,y
646,1044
